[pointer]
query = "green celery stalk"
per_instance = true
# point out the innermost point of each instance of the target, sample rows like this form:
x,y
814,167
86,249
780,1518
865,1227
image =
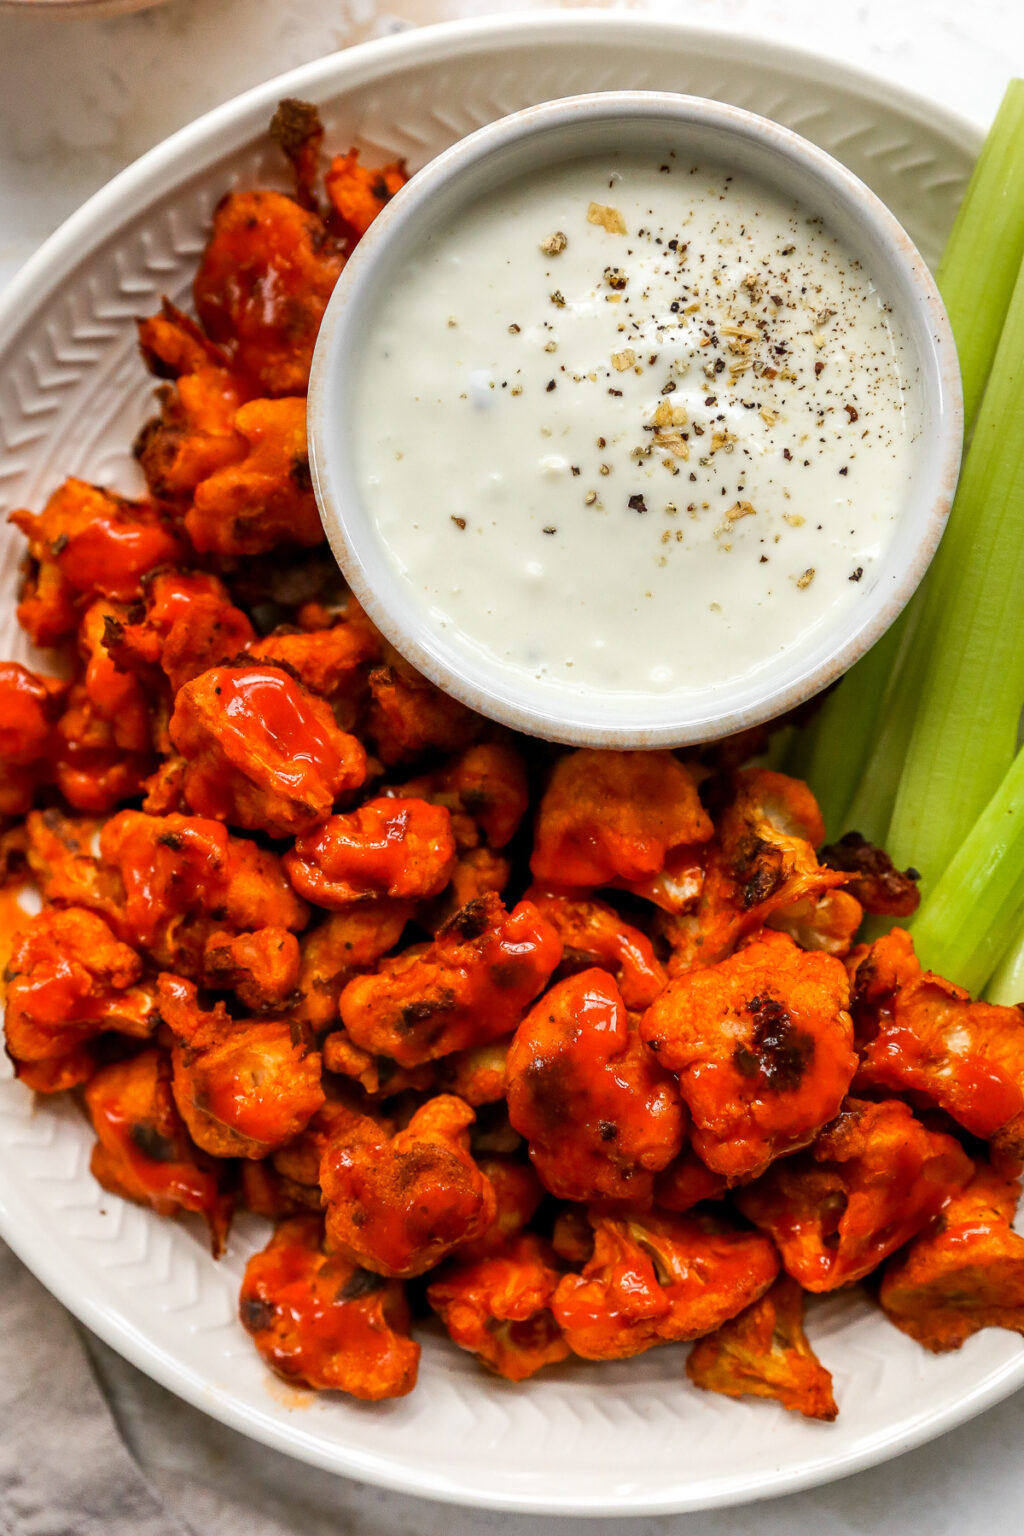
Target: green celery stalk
x,y
965,665
852,753
1007,983
978,270
974,912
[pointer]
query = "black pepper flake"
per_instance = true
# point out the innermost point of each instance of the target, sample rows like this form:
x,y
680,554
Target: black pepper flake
x,y
557,299
845,469
460,522
669,388
611,391
857,574
710,399
550,385
786,454
575,469
550,530
852,412
637,503
819,368
763,560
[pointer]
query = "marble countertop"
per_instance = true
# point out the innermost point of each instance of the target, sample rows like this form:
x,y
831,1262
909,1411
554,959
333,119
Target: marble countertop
x,y
80,99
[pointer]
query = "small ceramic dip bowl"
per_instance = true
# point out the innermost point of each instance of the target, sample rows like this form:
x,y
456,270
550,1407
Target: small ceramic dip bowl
x,y
634,420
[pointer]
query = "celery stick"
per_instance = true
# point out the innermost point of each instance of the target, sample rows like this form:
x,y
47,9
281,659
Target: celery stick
x,y
978,270
970,918
966,661
1007,984
831,753
852,741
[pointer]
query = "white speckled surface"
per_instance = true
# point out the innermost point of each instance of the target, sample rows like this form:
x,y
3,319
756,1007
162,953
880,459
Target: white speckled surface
x,y
78,100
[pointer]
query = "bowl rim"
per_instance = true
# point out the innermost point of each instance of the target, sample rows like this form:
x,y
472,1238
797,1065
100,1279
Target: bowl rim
x,y
495,691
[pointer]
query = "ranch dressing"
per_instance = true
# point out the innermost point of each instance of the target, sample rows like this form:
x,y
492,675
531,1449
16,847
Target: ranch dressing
x,y
633,426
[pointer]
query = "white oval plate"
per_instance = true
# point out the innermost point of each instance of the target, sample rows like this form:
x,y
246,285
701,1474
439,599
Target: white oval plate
x,y
617,1439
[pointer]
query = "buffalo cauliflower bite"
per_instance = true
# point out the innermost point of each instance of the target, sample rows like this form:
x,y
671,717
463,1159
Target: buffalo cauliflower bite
x,y
194,434
89,543
762,869
143,1151
469,987
69,979
600,1114
90,769
186,881
115,695
67,872
29,707
763,1352
400,848
484,788
963,1273
499,1307
398,1205
261,752
189,625
615,816
593,933
265,499
660,1279
244,1087
925,1036
344,944
877,884
321,1322
261,968
262,286
358,192
409,717
763,1046
872,1180
328,661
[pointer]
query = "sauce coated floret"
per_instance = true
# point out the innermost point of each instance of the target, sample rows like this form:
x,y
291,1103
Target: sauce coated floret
x,y
402,848
963,1273
261,751
923,1035
499,1307
143,1150
763,1352
660,1279
600,1114
70,980
471,986
399,1204
873,1179
615,816
320,1321
763,1046
263,285
244,1087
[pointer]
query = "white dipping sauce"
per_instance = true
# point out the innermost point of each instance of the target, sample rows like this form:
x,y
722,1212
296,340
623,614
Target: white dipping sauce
x,y
633,426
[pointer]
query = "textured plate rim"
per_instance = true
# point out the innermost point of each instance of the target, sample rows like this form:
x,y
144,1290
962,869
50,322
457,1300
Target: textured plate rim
x,y
214,135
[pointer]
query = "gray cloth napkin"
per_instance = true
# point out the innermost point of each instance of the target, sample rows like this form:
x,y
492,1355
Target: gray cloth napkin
x,y
64,1469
